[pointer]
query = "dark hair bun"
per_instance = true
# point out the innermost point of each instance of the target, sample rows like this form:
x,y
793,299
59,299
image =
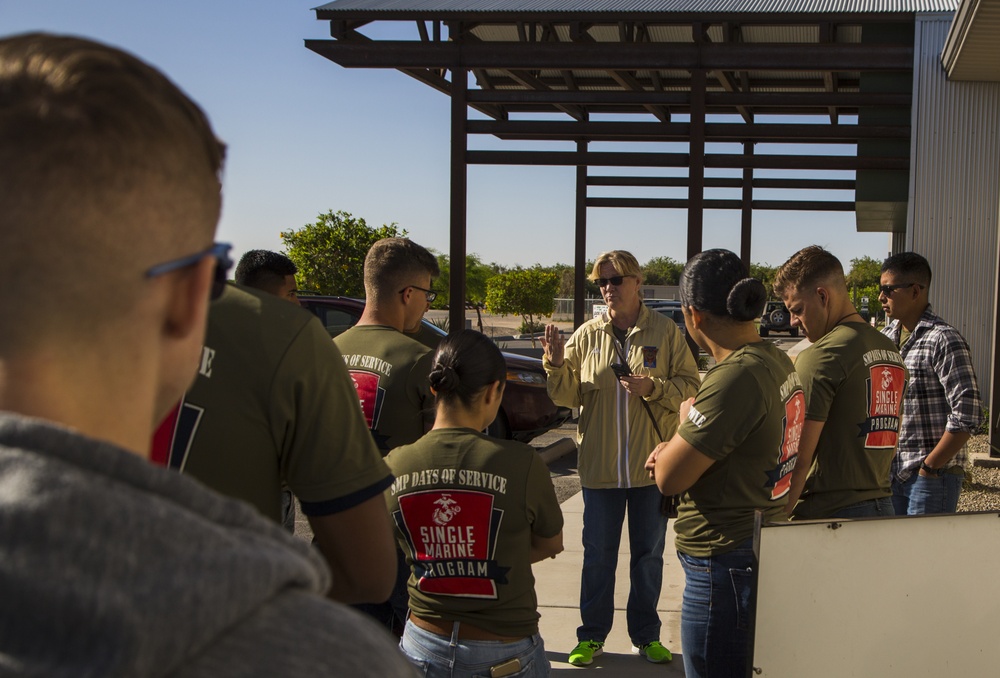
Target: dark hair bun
x,y
443,378
746,300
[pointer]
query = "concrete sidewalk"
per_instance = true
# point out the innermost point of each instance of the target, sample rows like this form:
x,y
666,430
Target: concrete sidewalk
x,y
557,584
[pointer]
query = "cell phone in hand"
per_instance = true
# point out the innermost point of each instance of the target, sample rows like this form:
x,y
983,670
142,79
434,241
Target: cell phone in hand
x,y
620,370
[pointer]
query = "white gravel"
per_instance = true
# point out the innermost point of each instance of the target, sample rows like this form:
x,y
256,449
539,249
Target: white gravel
x,y
981,491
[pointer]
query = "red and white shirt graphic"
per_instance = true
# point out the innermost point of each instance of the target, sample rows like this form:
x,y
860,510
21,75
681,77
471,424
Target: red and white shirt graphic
x,y
173,438
452,538
791,425
885,398
372,396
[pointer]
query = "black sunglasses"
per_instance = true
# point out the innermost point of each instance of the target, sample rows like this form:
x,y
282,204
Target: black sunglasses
x,y
887,290
430,294
223,263
613,280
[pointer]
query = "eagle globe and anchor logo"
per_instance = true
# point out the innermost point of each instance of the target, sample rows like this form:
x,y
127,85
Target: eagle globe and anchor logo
x,y
447,509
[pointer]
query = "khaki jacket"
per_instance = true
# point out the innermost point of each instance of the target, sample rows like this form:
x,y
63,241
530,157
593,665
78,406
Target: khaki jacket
x,y
615,433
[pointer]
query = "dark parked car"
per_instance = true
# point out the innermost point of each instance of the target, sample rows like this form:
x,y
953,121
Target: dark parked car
x,y
776,318
672,309
526,410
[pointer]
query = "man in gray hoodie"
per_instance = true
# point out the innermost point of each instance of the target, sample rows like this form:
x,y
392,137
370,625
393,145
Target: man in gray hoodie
x,y
110,566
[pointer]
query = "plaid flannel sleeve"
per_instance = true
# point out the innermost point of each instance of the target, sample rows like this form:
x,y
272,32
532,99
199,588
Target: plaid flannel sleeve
x,y
953,364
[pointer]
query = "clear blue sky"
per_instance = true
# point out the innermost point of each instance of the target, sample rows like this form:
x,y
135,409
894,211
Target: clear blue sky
x,y
306,136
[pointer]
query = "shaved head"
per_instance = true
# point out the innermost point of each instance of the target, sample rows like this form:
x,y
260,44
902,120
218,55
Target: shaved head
x,y
106,169
810,267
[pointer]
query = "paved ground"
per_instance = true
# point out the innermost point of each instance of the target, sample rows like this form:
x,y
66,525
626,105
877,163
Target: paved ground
x,y
557,585
558,580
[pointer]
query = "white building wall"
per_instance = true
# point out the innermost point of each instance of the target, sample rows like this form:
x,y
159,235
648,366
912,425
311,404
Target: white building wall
x,y
955,192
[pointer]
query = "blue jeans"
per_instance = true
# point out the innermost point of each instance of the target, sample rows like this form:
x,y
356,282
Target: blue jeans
x,y
603,515
442,657
918,495
717,612
870,508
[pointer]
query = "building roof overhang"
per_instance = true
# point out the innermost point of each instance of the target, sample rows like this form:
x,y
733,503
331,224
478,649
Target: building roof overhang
x,y
972,50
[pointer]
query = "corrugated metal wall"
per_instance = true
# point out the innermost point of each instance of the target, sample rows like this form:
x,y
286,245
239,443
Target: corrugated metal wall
x,y
954,213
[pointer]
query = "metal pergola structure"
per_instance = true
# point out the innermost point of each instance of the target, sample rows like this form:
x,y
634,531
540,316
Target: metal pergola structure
x,y
655,72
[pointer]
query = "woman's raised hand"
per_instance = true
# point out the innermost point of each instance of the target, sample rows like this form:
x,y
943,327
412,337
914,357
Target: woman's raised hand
x,y
553,345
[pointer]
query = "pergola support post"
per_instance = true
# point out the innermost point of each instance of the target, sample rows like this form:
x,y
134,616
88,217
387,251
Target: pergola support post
x,y
696,165
580,242
746,224
459,199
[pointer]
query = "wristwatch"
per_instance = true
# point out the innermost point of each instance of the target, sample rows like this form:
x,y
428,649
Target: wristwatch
x,y
933,471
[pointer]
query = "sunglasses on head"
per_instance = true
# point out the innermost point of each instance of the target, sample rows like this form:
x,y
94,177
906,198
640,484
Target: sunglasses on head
x,y
223,263
615,280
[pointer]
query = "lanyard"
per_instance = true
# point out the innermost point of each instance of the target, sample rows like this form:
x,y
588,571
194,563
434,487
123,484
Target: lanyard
x,y
621,358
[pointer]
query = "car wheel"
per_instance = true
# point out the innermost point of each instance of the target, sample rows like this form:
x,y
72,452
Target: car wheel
x,y
764,331
499,428
779,318
794,331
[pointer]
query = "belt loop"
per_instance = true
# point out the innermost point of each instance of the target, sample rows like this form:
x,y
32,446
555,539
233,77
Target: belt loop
x,y
454,635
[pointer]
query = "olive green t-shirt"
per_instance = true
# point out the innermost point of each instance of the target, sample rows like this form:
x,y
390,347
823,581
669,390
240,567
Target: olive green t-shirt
x,y
854,380
465,507
747,417
390,372
272,402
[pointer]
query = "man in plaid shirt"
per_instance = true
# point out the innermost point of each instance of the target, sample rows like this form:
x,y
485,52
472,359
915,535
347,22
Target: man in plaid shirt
x,y
942,407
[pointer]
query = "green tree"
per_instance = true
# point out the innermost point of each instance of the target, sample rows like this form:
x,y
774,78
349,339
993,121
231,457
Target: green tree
x,y
476,275
330,253
865,271
864,276
662,271
765,274
567,280
870,291
565,273
529,293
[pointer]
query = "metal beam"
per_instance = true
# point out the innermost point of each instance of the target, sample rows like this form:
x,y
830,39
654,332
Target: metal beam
x,y
626,159
598,17
616,56
726,182
682,203
459,200
696,166
712,99
746,216
534,83
580,242
628,82
680,131
347,33
732,34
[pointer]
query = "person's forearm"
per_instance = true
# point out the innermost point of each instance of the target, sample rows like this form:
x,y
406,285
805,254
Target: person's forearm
x,y
351,586
797,485
808,442
359,548
563,386
542,548
946,449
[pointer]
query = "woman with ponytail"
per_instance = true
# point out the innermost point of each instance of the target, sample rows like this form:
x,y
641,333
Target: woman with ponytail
x,y
471,514
731,456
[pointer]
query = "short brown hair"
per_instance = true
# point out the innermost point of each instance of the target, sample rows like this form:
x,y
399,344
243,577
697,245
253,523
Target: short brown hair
x,y
107,169
391,264
624,262
808,267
